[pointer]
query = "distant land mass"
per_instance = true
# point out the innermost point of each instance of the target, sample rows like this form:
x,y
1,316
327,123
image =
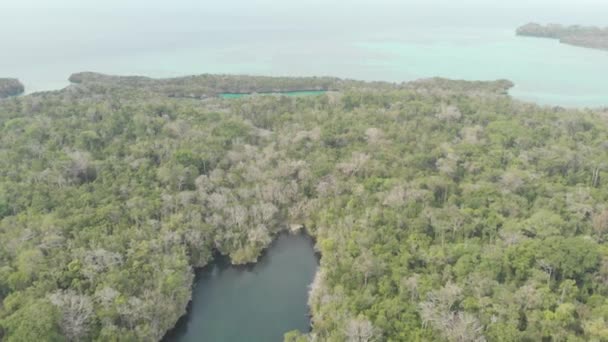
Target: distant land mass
x,y
584,36
10,87
208,86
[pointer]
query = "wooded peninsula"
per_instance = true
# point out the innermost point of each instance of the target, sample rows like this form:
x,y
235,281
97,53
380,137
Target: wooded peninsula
x,y
583,36
442,210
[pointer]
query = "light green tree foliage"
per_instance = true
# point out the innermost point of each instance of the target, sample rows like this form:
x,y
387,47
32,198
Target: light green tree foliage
x,y
443,210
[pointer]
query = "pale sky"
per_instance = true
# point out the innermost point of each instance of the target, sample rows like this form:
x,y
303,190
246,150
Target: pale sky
x,y
163,3
597,10
292,4
308,11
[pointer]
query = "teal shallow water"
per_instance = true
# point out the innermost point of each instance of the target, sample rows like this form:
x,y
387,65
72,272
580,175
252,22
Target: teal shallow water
x,y
258,303
285,93
367,40
543,70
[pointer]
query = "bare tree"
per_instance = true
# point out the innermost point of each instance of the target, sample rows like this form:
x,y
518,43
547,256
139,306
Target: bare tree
x,y
259,234
76,311
131,311
439,304
80,169
511,182
449,113
410,284
217,201
448,165
600,222
106,296
237,215
439,312
360,330
366,263
464,327
395,197
203,184
264,212
374,136
528,297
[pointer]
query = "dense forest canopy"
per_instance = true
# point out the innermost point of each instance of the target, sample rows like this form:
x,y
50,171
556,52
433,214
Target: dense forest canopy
x,y
584,36
443,210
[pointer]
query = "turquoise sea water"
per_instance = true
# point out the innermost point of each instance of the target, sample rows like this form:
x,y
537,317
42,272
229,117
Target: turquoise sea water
x,y
44,42
543,70
286,93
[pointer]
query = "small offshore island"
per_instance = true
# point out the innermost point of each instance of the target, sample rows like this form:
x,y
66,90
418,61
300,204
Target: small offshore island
x,y
10,87
583,36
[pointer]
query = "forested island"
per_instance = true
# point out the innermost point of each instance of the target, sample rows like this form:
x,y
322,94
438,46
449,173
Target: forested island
x,y
10,87
442,210
583,36
203,86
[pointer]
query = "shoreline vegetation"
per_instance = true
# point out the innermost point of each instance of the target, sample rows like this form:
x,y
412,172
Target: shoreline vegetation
x,y
583,36
10,87
211,86
225,261
443,210
206,86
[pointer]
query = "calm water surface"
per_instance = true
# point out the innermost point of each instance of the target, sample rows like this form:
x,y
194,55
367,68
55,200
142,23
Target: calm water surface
x,y
45,41
254,304
285,93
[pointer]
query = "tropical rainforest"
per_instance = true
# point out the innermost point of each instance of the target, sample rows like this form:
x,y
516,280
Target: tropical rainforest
x,y
442,210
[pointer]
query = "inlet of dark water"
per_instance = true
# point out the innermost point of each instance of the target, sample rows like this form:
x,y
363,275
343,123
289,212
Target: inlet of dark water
x,y
260,302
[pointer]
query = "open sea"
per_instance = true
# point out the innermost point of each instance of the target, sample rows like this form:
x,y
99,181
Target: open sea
x,y
43,42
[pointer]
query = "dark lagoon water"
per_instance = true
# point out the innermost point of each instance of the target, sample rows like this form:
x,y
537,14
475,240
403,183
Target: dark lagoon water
x,y
257,303
43,41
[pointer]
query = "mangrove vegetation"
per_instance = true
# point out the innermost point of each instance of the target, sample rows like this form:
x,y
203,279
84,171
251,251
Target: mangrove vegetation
x,y
442,210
